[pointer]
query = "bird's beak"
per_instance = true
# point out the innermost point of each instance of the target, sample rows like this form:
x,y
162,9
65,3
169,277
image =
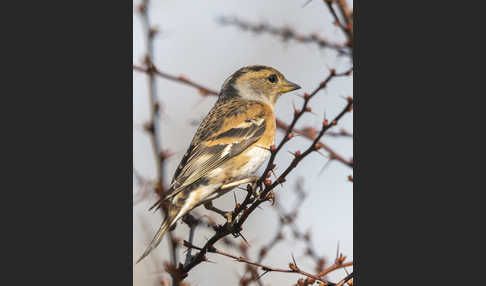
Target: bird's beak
x,y
288,86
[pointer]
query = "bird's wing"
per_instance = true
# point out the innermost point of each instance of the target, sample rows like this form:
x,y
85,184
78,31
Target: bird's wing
x,y
226,132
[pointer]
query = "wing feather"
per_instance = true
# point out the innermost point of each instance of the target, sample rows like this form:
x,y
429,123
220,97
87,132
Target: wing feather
x,y
209,150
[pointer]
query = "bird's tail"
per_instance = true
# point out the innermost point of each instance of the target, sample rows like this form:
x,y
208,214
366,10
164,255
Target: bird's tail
x,y
158,237
178,207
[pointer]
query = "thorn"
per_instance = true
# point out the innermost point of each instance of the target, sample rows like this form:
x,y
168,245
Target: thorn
x,y
305,4
273,173
325,166
290,135
337,251
244,239
267,269
323,155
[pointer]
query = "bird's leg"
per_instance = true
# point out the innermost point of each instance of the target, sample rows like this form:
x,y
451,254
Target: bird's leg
x,y
256,187
227,215
231,185
228,186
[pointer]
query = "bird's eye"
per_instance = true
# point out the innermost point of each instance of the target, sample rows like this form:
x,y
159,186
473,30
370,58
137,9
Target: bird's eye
x,y
272,78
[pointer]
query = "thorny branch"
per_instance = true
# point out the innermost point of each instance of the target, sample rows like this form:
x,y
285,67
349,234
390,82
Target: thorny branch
x,y
347,26
286,33
288,219
153,126
181,79
346,279
293,268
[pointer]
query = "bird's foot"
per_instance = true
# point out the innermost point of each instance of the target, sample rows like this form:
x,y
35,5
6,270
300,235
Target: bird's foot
x,y
257,189
229,217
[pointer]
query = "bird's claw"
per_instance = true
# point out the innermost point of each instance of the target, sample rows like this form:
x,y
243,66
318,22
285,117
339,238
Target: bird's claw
x,y
257,189
229,217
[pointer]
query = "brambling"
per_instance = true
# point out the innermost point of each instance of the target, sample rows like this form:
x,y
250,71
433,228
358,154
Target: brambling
x,y
231,143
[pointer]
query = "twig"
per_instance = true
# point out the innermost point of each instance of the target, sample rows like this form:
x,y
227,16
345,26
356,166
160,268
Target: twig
x,y
180,79
286,33
293,268
346,27
153,127
334,267
192,222
346,279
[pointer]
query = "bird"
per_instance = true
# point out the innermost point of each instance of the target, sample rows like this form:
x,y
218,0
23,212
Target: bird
x,y
229,146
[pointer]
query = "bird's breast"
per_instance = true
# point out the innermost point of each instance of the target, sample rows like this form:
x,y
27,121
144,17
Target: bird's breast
x,y
253,159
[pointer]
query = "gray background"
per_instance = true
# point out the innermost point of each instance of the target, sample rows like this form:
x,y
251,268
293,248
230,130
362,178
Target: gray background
x,y
192,43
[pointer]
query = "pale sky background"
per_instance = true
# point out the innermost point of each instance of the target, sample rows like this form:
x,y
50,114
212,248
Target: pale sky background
x,y
194,44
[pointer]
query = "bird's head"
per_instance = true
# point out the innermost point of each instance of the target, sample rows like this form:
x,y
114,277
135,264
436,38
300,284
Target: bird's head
x,y
260,83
